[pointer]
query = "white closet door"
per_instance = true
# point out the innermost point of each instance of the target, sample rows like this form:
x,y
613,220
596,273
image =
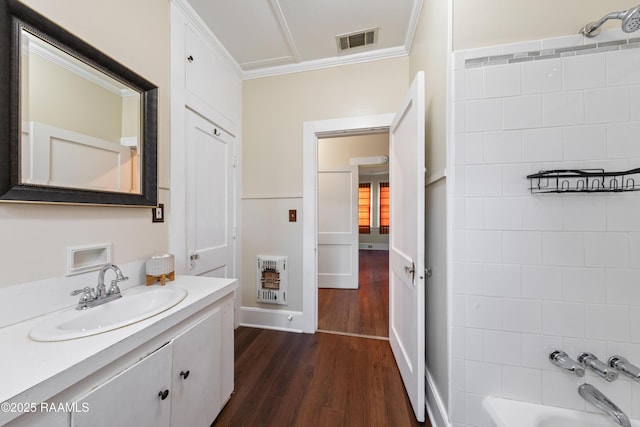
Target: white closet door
x,y
209,198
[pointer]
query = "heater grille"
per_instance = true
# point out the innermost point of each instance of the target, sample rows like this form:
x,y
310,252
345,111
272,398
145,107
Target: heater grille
x,y
271,279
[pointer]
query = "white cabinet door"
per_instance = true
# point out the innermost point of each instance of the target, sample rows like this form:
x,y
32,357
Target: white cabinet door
x,y
210,80
195,374
209,198
134,397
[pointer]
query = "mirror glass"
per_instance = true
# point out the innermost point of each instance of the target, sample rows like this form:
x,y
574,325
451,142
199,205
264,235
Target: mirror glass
x,y
80,128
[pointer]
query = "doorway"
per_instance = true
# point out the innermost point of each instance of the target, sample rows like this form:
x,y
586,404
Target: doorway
x,y
406,249
312,132
353,234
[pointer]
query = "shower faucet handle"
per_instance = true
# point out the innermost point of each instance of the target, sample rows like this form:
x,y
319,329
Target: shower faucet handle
x,y
623,365
560,358
590,361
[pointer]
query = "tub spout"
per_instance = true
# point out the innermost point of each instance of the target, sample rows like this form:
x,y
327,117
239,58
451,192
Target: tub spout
x,y
602,402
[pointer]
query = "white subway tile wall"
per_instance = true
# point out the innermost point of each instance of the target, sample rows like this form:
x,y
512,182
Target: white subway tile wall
x,y
536,273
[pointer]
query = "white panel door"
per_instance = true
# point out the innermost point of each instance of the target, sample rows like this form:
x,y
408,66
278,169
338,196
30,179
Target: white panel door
x,y
406,244
338,228
209,198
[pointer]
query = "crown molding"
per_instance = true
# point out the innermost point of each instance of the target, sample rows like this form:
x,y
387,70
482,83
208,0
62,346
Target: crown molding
x,y
357,58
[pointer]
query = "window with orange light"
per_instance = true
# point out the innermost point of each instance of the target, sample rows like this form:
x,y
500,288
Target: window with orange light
x,y
384,208
364,208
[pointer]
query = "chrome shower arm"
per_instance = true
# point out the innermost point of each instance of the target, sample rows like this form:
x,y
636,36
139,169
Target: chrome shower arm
x,y
592,28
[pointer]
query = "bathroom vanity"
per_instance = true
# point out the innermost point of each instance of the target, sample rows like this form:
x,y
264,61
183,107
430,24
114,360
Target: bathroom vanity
x,y
172,369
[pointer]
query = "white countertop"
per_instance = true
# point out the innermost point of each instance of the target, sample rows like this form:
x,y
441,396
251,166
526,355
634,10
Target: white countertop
x,y
32,372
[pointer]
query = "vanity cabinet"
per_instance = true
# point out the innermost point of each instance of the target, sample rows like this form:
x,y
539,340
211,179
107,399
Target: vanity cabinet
x,y
180,384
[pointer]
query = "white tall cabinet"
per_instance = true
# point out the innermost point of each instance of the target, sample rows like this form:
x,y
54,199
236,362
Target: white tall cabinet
x,y
206,123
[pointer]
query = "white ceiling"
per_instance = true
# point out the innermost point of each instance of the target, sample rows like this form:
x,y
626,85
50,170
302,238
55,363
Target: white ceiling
x,y
268,37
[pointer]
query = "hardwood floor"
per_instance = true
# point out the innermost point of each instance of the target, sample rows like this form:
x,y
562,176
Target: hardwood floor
x,y
285,379
363,311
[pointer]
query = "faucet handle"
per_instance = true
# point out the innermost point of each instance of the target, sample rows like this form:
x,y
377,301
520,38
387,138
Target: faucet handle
x,y
623,365
87,296
114,289
561,359
86,292
590,361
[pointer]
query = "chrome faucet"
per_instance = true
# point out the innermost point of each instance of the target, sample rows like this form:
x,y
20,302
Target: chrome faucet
x,y
101,290
600,401
92,298
560,358
623,365
590,361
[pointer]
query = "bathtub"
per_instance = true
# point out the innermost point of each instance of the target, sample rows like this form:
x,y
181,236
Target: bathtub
x,y
513,413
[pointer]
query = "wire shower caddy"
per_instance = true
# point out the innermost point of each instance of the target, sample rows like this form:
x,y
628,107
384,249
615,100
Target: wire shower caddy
x,y
584,181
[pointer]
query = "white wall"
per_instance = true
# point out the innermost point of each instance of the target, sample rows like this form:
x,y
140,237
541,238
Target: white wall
x,y
535,273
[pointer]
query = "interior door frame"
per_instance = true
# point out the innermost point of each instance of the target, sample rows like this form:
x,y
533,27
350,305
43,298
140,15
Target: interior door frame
x,y
313,130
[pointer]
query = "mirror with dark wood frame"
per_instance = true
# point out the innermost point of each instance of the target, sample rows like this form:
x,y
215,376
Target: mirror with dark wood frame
x,y
76,126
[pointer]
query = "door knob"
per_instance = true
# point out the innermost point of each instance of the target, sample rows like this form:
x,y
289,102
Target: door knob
x,y
410,270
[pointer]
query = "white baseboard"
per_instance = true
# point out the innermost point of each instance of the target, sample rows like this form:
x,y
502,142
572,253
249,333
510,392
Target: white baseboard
x,y
280,320
435,406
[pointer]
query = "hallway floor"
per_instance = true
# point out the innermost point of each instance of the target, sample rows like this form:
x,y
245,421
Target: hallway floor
x,y
363,311
285,379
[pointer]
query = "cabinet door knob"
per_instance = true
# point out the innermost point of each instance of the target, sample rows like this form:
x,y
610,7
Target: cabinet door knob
x,y
163,394
190,58
184,374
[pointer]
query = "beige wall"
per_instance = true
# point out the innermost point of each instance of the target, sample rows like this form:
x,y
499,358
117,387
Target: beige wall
x,y
336,152
274,109
35,237
478,23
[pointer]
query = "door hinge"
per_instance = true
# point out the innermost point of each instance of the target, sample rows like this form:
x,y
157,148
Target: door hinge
x,y
234,161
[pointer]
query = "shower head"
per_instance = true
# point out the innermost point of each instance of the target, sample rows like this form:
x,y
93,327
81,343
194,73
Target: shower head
x,y
630,22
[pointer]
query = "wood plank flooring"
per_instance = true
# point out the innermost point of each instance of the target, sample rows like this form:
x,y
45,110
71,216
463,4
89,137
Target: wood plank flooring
x,y
363,311
285,379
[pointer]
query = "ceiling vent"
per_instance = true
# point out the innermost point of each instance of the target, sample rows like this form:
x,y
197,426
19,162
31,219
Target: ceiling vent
x,y
357,39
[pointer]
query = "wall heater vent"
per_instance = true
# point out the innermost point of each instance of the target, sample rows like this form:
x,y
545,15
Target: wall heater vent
x,y
271,279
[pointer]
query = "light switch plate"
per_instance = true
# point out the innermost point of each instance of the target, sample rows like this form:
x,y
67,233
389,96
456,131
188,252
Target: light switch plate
x,y
157,213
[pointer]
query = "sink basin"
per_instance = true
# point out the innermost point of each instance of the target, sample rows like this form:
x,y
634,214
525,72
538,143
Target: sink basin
x,y
135,305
